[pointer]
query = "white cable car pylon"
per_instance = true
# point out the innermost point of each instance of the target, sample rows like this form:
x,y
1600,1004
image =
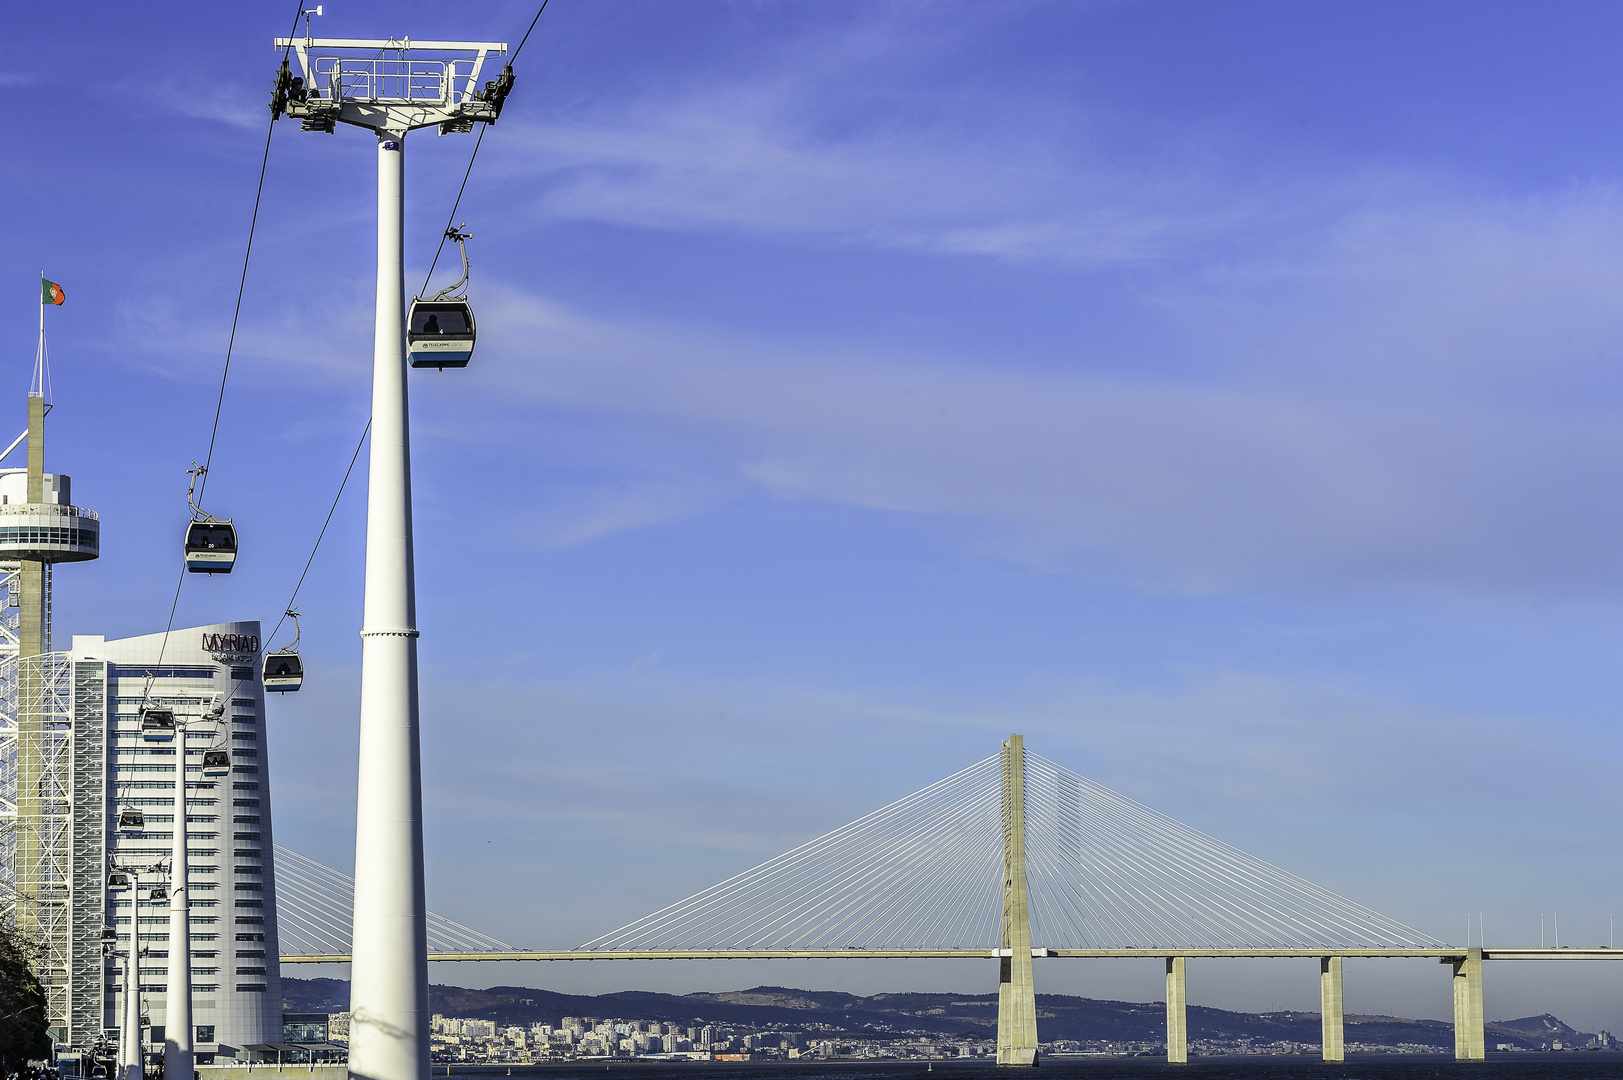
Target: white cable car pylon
x,y
211,544
440,331
358,82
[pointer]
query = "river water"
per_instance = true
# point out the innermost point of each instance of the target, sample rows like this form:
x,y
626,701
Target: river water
x,y
1526,1066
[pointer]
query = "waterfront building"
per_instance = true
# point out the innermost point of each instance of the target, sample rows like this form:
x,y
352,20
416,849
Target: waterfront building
x,y
237,994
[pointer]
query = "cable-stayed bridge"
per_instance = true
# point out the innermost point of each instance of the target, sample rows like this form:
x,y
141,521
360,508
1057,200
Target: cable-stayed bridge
x,y
1013,858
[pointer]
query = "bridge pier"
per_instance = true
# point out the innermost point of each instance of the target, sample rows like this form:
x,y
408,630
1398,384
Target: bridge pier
x,y
1016,992
1177,1011
1330,1008
1469,1041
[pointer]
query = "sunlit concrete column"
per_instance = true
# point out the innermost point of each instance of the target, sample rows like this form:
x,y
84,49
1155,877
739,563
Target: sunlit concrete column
x,y
1469,1043
1016,991
1330,1007
1177,1012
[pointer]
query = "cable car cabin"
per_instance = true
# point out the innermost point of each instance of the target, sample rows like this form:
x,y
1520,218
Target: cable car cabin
x,y
283,672
109,933
159,892
118,879
211,547
440,334
131,819
216,763
157,724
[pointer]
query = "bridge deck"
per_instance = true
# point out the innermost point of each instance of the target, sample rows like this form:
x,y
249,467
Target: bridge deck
x,y
1444,953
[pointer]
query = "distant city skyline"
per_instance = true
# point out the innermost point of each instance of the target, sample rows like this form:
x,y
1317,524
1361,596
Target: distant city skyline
x,y
1224,397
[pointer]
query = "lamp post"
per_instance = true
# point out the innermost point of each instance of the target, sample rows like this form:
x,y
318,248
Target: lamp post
x,y
179,1044
130,1058
389,88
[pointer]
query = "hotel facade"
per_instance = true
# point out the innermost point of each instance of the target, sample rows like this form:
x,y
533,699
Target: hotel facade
x,y
196,672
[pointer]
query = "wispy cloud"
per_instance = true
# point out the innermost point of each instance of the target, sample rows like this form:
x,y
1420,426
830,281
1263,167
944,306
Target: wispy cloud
x,y
1362,463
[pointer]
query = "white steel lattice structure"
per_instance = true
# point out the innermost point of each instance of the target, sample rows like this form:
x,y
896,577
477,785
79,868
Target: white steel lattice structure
x,y
10,599
55,837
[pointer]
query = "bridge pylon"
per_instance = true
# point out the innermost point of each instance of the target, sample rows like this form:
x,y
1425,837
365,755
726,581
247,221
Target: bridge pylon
x,y
1016,993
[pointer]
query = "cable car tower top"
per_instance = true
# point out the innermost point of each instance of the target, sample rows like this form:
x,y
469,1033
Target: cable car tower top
x,y
396,85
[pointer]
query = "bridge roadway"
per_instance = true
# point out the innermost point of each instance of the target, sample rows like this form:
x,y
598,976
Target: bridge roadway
x,y
1254,901
1443,954
1469,1041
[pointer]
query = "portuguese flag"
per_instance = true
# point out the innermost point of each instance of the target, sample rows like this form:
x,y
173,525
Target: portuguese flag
x,y
51,293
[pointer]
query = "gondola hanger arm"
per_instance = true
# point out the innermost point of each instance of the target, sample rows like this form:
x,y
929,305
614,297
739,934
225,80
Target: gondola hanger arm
x,y
450,292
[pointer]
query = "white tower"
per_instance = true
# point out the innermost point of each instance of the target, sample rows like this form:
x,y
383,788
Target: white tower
x,y
56,882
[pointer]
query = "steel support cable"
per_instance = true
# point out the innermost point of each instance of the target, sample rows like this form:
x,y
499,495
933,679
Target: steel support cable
x,y
1097,911
242,282
316,898
1149,891
788,882
1245,876
1145,891
749,878
1066,921
1156,900
875,919
1315,895
1089,913
865,918
1156,892
311,881
859,920
972,885
1237,871
316,890
785,889
1042,905
230,346
1045,910
1099,867
1118,913
1154,883
937,878
1144,908
451,219
698,907
1198,864
338,893
310,934
1098,914
331,510
815,914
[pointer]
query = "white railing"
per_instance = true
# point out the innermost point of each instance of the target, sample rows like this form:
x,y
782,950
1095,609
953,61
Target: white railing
x,y
47,510
394,81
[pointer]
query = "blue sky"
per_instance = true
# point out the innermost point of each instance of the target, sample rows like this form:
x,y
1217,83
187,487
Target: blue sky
x,y
1224,396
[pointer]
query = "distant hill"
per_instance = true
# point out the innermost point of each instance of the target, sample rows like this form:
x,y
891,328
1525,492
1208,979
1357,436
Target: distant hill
x,y
1059,1016
1534,1031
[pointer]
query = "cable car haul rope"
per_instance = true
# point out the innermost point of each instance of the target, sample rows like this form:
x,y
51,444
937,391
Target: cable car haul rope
x,y
440,333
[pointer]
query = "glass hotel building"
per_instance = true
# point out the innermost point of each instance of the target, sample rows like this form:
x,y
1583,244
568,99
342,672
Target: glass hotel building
x,y
237,999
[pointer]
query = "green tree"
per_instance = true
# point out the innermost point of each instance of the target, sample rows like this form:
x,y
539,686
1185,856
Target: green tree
x,y
23,1026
